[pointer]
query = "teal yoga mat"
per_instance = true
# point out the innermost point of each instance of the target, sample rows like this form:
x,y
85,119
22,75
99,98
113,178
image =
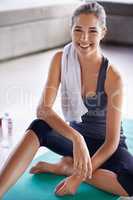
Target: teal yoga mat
x,y
41,186
128,131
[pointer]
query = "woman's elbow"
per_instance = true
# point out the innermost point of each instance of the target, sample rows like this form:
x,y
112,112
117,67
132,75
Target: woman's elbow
x,y
112,146
43,112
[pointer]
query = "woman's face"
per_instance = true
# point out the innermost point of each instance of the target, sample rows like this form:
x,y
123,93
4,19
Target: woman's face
x,y
87,33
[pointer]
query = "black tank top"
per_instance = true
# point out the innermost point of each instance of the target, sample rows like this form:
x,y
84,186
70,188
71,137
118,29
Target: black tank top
x,y
94,121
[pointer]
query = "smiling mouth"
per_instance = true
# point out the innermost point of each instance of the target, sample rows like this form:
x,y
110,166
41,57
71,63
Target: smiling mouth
x,y
85,46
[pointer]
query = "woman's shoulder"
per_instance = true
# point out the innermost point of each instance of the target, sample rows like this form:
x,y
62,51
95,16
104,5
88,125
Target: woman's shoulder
x,y
58,54
56,60
54,71
113,72
113,78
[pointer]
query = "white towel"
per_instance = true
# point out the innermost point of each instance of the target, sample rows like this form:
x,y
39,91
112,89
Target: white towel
x,y
71,99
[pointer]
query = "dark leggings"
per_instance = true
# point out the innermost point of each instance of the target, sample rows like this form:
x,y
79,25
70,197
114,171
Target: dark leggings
x,y
121,162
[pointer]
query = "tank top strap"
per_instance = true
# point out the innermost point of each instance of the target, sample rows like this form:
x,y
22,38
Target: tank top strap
x,y
102,74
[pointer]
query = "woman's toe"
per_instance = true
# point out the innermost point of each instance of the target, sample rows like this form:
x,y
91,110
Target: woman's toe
x,y
36,169
59,186
64,188
33,170
61,189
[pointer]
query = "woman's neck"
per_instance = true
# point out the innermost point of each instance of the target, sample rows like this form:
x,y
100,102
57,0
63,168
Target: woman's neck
x,y
92,62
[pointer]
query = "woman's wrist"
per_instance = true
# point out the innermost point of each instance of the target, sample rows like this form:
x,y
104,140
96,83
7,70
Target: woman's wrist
x,y
77,137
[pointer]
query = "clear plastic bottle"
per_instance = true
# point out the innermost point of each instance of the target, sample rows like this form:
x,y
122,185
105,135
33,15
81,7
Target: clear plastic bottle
x,y
7,127
1,134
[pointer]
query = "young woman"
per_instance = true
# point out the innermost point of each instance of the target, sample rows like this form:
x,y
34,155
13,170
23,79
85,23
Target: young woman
x,y
94,149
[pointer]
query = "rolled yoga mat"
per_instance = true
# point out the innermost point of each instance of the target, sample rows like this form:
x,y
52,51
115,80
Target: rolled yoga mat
x,y
41,186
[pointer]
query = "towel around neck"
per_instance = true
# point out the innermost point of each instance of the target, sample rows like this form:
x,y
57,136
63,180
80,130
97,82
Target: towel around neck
x,y
72,103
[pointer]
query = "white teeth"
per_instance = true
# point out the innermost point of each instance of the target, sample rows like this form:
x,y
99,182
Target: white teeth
x,y
85,46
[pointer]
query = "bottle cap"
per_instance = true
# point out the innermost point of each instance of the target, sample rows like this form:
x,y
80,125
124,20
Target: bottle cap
x,y
0,121
6,114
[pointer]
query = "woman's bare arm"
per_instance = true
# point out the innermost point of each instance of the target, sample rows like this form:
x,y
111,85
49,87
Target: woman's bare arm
x,y
81,157
45,110
114,91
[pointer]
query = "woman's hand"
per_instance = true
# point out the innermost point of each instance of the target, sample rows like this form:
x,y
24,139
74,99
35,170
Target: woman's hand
x,y
82,160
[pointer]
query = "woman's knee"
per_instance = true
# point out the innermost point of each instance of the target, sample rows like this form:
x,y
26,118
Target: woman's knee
x,y
32,138
39,127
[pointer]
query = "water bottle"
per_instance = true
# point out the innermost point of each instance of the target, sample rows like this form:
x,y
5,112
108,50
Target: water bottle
x,y
1,135
7,130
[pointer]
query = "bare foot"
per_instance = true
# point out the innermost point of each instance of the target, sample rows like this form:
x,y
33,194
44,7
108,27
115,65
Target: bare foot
x,y
42,167
64,167
68,186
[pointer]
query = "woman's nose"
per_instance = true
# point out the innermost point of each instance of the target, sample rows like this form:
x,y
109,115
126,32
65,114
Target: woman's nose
x,y
85,36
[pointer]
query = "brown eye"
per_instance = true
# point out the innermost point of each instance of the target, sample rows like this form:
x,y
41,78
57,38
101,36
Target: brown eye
x,y
93,31
78,30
